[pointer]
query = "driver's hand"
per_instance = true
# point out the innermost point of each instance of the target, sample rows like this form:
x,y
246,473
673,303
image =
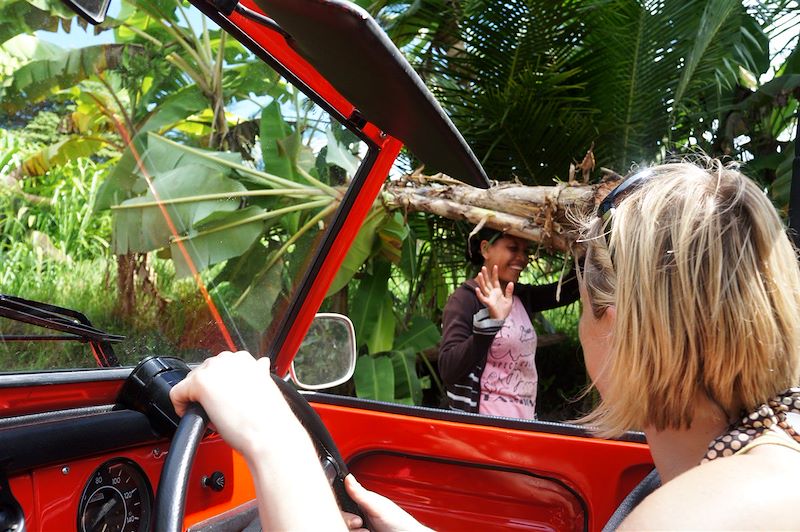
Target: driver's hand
x,y
382,513
248,410
242,402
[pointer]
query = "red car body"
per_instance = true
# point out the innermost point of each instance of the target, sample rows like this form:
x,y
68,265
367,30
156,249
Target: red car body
x,y
453,471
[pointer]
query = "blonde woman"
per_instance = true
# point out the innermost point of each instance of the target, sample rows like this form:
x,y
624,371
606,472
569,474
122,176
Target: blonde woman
x,y
691,332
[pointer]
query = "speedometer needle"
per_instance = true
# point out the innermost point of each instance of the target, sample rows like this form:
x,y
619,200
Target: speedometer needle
x,y
103,511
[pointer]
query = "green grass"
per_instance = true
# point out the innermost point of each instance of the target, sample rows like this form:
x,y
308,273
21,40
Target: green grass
x,y
54,248
90,287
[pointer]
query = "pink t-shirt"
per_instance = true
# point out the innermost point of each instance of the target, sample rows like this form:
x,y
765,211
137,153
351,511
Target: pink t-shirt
x,y
509,380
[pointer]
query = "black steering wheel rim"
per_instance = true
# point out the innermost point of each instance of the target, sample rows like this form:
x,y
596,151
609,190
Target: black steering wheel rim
x,y
170,503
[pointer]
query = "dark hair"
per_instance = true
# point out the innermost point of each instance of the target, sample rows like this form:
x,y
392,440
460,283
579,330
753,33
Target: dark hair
x,y
473,254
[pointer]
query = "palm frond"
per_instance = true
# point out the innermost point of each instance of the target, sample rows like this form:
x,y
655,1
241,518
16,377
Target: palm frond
x,y
509,87
653,60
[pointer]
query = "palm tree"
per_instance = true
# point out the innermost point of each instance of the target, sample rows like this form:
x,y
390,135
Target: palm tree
x,y
532,84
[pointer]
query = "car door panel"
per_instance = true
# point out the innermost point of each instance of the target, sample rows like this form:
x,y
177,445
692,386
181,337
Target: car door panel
x,y
461,495
396,450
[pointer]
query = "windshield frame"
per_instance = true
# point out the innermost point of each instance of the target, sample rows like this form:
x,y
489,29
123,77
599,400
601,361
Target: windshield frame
x,y
271,47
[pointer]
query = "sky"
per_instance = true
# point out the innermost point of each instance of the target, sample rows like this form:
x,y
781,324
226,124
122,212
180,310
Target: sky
x,y
76,38
79,37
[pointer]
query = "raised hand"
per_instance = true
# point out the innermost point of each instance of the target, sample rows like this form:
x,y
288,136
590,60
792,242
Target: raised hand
x,y
490,292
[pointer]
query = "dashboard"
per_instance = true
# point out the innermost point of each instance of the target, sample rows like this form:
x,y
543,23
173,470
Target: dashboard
x,y
98,470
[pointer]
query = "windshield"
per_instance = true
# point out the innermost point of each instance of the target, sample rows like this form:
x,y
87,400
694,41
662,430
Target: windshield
x,y
179,214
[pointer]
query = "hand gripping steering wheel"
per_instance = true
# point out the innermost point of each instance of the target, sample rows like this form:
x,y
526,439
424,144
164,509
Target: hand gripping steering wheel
x,y
147,389
172,487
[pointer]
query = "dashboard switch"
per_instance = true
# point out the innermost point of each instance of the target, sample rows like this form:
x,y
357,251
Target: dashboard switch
x,y
215,481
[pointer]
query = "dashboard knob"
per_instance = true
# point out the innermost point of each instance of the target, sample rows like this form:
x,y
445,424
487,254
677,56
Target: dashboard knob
x,y
215,481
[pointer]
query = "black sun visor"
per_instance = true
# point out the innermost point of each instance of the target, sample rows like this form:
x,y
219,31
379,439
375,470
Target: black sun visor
x,y
344,44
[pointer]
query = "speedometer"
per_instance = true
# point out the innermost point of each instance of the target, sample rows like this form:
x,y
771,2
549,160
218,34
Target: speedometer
x,y
117,498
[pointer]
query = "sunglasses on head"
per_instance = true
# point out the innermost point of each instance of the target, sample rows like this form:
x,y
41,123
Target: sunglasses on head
x,y
610,202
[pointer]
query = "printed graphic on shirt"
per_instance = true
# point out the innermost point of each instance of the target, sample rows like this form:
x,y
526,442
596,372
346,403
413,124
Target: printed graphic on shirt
x,y
509,381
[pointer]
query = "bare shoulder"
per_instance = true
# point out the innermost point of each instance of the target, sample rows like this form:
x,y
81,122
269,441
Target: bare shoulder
x,y
743,492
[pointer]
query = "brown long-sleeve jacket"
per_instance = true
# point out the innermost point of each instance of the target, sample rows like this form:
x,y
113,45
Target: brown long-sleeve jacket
x,y
468,333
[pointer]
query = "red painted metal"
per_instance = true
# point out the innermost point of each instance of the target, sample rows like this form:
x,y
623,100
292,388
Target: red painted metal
x,y
22,489
601,472
203,503
50,496
460,496
276,45
21,400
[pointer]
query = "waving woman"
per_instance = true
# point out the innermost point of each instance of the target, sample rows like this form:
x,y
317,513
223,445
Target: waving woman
x,y
487,358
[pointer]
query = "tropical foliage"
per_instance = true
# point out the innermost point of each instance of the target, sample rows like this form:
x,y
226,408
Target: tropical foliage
x,y
534,84
142,125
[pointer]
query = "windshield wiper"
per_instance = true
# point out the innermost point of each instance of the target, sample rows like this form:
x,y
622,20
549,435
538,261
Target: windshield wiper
x,y
76,326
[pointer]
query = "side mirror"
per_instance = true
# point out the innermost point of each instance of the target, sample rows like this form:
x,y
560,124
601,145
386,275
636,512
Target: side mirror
x,y
92,11
327,356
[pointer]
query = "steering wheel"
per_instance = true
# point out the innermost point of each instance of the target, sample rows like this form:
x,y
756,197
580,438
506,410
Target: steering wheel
x,y
170,503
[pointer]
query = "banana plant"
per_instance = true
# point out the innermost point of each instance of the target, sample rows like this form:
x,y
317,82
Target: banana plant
x,y
393,342
251,219
27,16
161,74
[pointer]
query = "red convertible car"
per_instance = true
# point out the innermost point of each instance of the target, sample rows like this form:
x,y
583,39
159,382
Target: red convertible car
x,y
93,449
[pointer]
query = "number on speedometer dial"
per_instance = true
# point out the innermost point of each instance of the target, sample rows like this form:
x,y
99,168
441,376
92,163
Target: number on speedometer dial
x,y
117,498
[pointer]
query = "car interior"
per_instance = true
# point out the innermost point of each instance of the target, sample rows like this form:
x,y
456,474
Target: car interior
x,y
92,444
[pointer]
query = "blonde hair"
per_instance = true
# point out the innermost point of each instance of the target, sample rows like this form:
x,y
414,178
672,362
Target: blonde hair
x,y
706,287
